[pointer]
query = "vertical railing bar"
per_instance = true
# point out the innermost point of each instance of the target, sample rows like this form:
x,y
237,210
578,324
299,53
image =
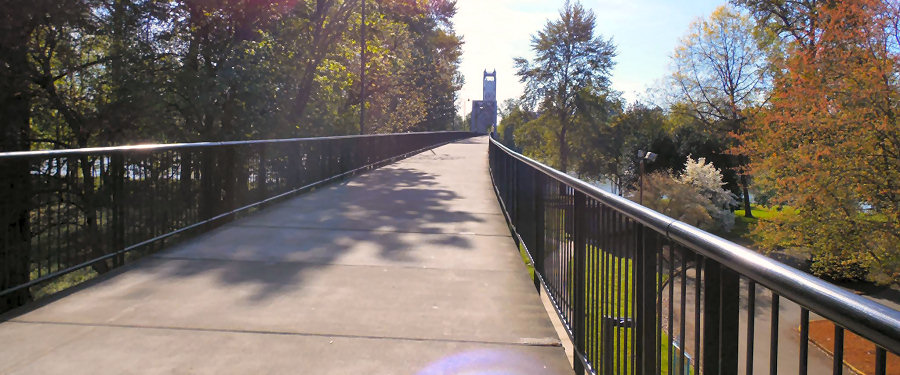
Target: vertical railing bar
x,y
880,360
539,229
579,226
635,294
804,341
604,323
658,340
589,283
682,339
773,337
698,297
621,319
617,298
838,355
671,324
610,293
751,323
596,255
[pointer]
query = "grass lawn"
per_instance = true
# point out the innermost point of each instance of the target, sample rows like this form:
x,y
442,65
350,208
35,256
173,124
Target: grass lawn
x,y
744,225
621,335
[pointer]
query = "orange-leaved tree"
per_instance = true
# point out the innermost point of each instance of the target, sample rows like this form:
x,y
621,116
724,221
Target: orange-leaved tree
x,y
829,143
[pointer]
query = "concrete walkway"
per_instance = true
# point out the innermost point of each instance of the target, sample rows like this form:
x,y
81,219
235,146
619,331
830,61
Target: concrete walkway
x,y
408,269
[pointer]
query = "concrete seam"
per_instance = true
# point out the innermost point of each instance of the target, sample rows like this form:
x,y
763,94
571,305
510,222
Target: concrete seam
x,y
549,342
290,262
365,230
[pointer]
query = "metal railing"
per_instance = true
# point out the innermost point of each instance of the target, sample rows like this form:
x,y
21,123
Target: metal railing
x,y
93,209
641,293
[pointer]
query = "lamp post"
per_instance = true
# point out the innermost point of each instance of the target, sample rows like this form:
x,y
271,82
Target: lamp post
x,y
643,156
362,69
466,108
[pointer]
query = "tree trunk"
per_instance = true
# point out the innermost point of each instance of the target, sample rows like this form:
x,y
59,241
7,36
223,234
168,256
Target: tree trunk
x,y
563,145
746,193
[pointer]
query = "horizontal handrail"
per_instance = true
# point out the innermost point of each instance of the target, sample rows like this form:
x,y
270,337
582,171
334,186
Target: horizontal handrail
x,y
172,146
98,208
876,322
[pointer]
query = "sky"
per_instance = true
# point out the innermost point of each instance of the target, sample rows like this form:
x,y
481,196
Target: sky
x,y
645,33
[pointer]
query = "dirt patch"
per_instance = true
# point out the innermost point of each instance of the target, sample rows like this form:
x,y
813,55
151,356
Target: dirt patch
x,y
859,353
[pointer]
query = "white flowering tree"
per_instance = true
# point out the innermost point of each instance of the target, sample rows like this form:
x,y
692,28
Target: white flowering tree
x,y
696,196
707,179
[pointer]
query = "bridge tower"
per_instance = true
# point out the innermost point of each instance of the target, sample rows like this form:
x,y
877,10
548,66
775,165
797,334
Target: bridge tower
x,y
484,111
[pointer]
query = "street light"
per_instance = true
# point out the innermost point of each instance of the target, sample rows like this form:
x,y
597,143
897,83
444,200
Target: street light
x,y
362,68
644,156
468,104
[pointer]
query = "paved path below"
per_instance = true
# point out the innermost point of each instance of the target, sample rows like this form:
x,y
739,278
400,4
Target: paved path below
x,y
407,269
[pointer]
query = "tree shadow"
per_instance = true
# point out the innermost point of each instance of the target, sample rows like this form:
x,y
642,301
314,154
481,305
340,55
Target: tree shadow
x,y
392,216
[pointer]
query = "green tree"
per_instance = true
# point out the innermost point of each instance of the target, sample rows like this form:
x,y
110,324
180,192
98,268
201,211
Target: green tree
x,y
613,149
720,73
569,59
84,73
513,117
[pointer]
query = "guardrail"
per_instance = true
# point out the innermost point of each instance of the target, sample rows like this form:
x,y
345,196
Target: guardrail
x,y
641,293
96,208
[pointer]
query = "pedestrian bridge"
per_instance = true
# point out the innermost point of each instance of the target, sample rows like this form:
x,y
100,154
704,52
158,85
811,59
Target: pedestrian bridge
x,y
387,255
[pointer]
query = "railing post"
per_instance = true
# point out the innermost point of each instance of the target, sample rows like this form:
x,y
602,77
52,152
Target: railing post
x,y
16,196
580,255
208,188
228,180
721,295
645,301
538,254
262,172
117,175
728,329
514,198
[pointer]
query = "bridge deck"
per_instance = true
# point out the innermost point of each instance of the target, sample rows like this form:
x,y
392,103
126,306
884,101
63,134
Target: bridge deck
x,y
408,269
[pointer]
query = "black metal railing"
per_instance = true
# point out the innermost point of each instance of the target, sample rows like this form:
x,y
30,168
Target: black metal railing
x,y
90,210
641,293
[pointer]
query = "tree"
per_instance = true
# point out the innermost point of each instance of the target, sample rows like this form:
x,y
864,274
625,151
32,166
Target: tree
x,y
707,179
830,141
569,59
721,74
86,73
513,117
639,127
695,196
794,20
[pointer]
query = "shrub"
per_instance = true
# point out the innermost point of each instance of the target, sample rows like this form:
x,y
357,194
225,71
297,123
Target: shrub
x,y
841,268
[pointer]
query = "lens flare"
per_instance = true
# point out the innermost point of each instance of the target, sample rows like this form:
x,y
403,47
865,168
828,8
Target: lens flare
x,y
486,362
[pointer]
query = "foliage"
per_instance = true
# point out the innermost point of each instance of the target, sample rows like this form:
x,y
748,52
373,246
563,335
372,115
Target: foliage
x,y
720,67
570,62
720,75
670,196
695,196
84,73
639,127
707,179
843,267
514,117
830,140
91,73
